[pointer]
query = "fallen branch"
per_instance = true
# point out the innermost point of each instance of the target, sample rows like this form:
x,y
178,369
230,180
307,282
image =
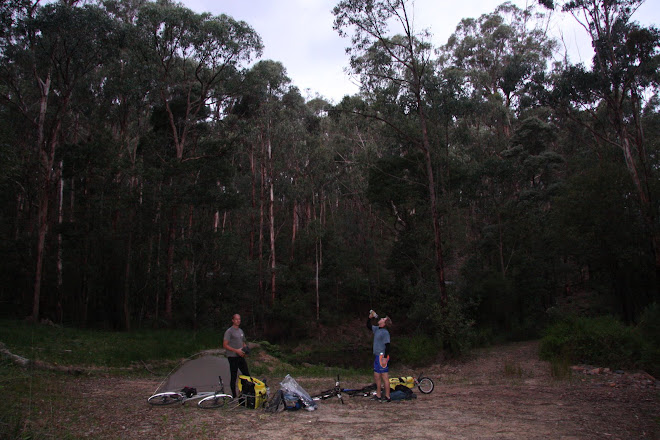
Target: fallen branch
x,y
19,360
147,368
27,363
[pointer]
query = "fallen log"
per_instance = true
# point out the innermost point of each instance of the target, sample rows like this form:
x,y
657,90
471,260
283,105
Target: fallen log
x,y
27,363
19,360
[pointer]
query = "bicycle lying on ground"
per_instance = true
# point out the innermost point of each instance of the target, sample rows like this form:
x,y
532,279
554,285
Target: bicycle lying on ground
x,y
218,399
424,384
209,399
337,392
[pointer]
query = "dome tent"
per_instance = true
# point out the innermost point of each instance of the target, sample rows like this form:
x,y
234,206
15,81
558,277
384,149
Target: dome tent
x,y
200,371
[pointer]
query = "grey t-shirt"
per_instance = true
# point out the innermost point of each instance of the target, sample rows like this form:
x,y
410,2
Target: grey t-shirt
x,y
235,338
381,337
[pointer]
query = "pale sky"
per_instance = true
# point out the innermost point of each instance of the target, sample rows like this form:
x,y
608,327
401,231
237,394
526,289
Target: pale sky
x,y
299,34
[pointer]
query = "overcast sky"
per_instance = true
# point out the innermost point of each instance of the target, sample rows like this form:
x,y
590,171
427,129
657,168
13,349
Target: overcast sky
x,y
299,34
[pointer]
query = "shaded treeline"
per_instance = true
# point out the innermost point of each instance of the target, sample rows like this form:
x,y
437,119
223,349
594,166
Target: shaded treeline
x,y
154,171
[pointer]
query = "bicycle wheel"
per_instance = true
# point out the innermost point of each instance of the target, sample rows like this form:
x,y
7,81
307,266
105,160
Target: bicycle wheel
x,y
216,401
425,385
161,399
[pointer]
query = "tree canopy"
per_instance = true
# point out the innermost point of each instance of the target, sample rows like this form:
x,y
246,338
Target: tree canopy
x,y
155,171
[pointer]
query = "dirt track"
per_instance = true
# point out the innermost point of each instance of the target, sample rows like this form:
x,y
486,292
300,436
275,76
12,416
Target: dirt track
x,y
502,393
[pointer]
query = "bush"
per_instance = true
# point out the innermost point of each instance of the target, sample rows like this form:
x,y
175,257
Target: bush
x,y
602,341
416,350
649,325
649,331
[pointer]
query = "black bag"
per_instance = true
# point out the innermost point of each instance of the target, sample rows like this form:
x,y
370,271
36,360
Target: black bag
x,y
189,392
248,396
402,392
276,403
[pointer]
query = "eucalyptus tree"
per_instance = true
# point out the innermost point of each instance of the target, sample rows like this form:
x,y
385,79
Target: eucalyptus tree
x,y
500,150
195,55
394,71
499,54
611,98
48,53
358,237
124,110
278,128
260,108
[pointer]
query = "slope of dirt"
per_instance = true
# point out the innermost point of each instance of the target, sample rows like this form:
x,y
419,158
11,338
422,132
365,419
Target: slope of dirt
x,y
499,393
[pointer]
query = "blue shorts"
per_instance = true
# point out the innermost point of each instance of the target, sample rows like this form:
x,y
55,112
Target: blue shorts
x,y
378,368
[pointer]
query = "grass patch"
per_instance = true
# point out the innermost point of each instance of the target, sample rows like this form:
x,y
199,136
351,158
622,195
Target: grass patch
x,y
560,369
69,346
28,409
513,370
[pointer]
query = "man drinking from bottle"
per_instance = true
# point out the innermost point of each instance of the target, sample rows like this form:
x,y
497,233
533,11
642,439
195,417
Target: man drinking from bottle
x,y
381,350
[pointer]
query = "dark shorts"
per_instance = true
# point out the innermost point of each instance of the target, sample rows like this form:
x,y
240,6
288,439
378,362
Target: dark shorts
x,y
378,368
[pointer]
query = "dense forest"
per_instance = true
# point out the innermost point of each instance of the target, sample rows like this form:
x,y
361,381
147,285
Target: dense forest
x,y
155,172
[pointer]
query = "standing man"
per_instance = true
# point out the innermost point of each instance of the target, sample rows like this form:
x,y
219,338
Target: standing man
x,y
235,349
381,350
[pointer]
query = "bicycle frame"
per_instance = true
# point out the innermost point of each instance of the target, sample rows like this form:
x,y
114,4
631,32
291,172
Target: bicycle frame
x,y
170,397
217,399
338,392
424,384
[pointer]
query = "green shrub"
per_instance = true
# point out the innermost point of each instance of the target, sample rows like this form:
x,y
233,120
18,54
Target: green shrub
x,y
416,350
272,349
649,331
649,325
602,341
449,325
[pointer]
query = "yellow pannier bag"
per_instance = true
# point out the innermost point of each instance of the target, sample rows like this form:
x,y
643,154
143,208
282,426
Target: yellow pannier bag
x,y
252,391
406,381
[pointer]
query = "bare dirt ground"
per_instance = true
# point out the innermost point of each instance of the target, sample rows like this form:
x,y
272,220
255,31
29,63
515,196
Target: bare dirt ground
x,y
499,393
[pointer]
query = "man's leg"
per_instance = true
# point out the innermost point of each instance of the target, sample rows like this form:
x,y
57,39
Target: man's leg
x,y
377,381
243,366
386,384
377,376
233,370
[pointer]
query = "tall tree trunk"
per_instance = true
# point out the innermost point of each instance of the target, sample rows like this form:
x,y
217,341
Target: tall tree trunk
x,y
316,278
157,253
44,191
500,231
253,195
127,279
41,244
294,229
127,268
262,220
60,220
271,217
47,161
437,235
169,277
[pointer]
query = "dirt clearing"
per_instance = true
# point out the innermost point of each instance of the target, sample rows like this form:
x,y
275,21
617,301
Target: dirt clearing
x,y
499,393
